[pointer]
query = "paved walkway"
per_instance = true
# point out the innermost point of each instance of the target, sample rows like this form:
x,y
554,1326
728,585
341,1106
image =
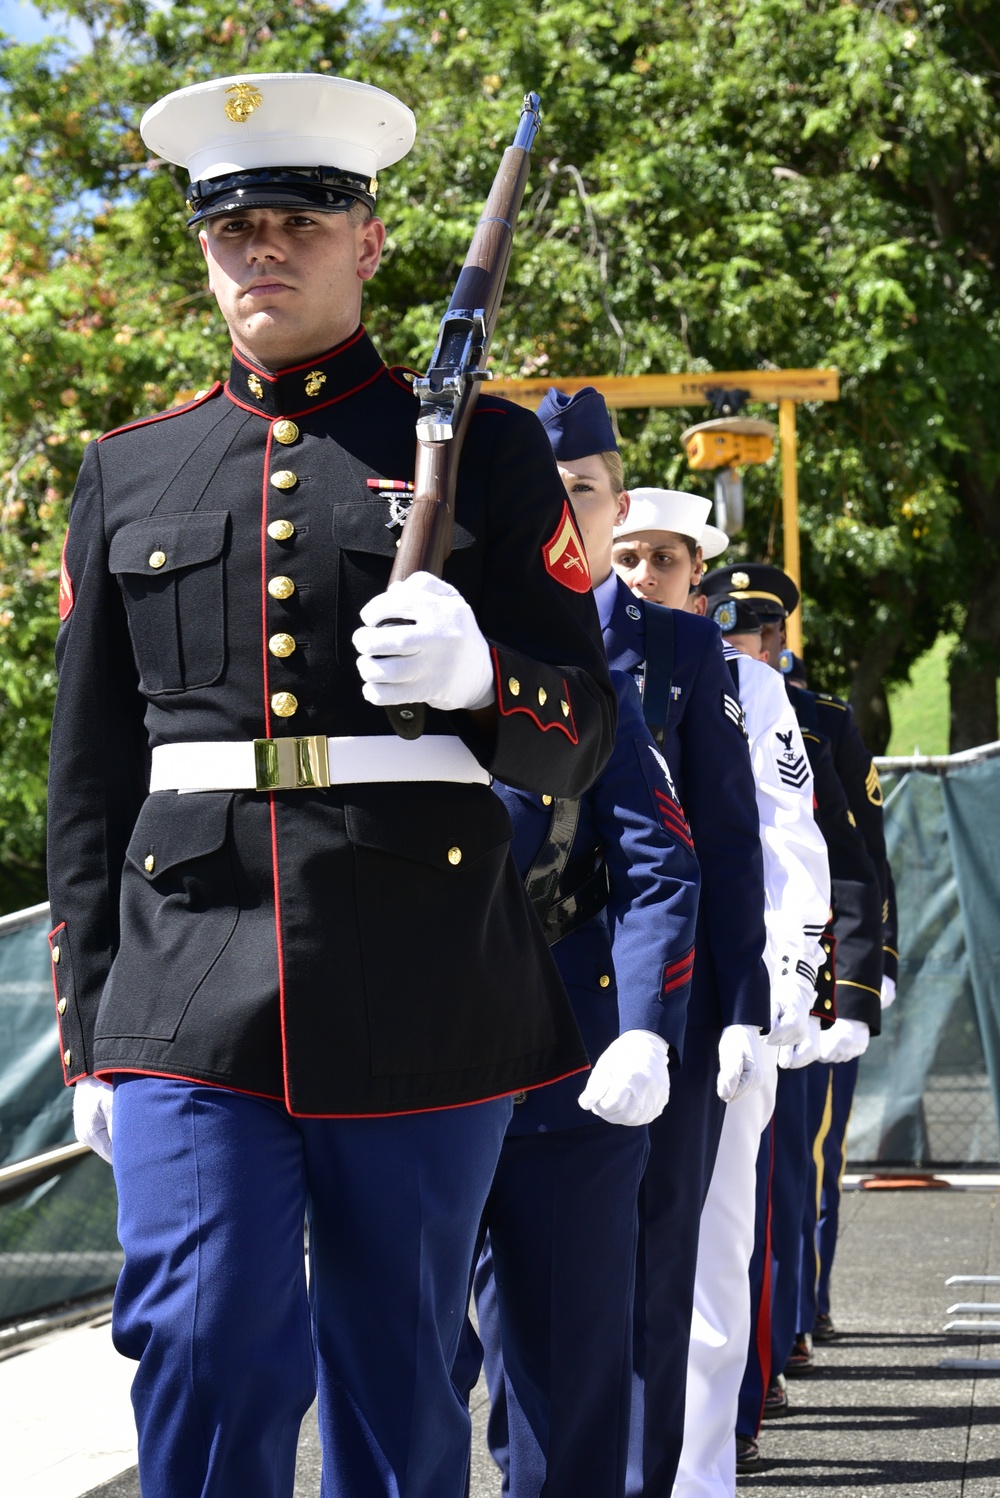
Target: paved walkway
x,y
876,1418
877,1415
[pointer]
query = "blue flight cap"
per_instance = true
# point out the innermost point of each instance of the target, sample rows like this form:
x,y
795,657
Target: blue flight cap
x,y
578,425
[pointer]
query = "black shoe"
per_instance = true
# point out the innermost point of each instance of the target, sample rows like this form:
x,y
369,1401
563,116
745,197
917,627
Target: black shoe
x,y
776,1398
823,1328
800,1359
747,1454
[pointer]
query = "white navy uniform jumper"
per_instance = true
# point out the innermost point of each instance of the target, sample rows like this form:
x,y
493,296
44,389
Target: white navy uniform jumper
x,y
797,903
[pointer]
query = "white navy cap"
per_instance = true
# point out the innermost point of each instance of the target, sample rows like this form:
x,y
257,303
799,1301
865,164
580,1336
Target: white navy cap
x,y
673,510
274,140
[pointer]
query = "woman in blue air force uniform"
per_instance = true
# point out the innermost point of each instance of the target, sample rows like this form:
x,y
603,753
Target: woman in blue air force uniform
x,y
690,697
614,872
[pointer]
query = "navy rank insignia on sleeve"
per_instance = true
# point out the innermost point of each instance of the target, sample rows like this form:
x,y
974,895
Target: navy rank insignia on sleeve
x,y
734,712
793,769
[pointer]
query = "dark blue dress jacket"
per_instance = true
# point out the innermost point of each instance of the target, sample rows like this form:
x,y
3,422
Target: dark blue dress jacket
x,y
710,764
648,924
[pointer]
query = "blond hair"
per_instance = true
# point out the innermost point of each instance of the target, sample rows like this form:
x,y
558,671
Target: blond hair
x,y
616,469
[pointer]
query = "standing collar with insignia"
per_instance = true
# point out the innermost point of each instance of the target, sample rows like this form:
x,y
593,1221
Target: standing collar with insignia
x,y
305,387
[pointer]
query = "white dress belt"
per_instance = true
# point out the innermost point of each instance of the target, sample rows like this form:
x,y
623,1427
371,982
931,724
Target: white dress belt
x,y
313,761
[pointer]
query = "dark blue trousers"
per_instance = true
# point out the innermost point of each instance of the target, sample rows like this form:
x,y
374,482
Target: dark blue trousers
x,y
831,1097
779,1222
758,1369
684,1142
214,1190
554,1289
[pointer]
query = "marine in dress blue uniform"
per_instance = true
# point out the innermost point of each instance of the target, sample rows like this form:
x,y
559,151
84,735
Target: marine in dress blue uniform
x,y
706,750
554,1285
315,979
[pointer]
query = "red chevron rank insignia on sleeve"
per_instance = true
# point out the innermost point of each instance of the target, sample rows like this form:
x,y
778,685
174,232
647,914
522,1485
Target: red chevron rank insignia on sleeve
x,y
564,556
65,586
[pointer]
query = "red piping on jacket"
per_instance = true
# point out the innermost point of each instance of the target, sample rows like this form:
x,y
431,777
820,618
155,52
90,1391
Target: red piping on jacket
x,y
272,379
106,1073
147,421
568,728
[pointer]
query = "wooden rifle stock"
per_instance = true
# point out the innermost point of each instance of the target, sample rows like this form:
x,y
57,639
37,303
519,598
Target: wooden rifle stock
x,y
450,388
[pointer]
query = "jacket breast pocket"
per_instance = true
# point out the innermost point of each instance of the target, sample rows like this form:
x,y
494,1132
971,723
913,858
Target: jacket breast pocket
x,y
435,891
178,914
171,571
366,546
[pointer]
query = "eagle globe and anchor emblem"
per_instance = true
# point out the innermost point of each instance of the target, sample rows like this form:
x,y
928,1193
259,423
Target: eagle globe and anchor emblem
x,y
246,99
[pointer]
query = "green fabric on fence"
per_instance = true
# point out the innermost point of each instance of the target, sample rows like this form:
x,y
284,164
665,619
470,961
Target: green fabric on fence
x,y
57,1241
972,804
36,1109
923,1095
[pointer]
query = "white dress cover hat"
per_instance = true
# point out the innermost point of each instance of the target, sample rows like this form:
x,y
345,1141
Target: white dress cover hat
x,y
257,138
673,510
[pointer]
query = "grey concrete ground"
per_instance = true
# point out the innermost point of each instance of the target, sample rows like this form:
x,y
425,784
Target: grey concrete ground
x,y
876,1416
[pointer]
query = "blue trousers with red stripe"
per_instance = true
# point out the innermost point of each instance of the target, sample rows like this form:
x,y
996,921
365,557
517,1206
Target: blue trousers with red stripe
x,y
214,1190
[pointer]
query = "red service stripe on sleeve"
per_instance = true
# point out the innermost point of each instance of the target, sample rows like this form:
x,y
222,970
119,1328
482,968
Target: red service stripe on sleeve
x,y
679,829
677,982
673,967
671,809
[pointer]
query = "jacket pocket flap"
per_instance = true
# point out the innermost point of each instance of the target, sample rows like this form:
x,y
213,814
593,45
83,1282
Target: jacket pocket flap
x,y
175,829
365,527
446,826
163,543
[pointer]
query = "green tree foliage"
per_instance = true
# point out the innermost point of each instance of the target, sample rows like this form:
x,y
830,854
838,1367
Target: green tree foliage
x,y
719,184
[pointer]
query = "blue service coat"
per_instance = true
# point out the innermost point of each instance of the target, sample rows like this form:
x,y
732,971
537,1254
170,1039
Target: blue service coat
x,y
650,919
710,765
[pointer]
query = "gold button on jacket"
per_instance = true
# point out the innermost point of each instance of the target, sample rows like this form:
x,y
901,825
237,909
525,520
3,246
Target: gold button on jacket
x,y
280,587
284,704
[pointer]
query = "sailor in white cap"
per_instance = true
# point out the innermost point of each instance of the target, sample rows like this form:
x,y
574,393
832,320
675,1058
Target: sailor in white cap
x,y
310,983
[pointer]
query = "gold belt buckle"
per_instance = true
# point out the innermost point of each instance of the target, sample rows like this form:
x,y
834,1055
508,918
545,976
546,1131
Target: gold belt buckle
x,y
289,764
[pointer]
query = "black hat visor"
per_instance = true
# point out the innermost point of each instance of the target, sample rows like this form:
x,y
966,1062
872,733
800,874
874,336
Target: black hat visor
x,y
324,189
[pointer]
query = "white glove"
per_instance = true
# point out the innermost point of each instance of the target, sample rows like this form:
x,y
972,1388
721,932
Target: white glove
x,y
888,992
845,1039
791,1057
630,1081
92,1101
437,656
740,1062
791,1001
